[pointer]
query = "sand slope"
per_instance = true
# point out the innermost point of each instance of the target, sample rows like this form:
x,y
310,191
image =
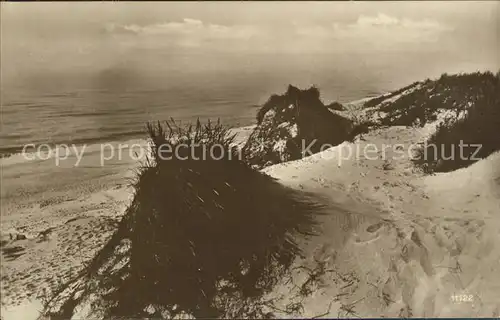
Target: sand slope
x,y
413,245
54,220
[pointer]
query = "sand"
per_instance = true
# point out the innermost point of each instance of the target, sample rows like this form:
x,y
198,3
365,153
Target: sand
x,y
54,219
405,244
419,246
57,216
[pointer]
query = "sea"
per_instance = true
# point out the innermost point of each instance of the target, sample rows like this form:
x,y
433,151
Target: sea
x,y
99,103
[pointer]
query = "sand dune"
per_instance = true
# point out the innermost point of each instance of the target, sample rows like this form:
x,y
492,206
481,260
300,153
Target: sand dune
x,y
416,245
397,243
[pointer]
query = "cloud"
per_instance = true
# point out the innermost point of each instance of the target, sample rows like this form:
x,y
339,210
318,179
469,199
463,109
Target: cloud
x,y
381,29
383,20
380,20
192,28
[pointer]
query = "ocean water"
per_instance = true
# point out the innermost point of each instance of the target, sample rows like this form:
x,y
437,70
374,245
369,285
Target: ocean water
x,y
113,102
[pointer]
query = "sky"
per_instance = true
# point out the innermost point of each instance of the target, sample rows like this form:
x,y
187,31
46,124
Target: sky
x,y
58,36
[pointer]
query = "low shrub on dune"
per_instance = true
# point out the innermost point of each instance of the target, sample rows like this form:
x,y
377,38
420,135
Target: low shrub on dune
x,y
208,234
422,102
461,141
464,107
336,106
287,124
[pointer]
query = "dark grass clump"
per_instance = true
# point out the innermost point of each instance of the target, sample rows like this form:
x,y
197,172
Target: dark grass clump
x,y
208,234
336,106
478,131
309,99
449,92
316,126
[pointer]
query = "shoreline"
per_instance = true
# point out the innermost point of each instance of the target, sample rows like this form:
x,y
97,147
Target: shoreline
x,y
19,157
53,177
135,135
70,209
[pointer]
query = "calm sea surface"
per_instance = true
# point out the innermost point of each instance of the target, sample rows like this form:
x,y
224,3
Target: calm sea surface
x,y
114,102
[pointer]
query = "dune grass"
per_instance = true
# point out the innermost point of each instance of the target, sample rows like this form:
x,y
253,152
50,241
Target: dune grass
x,y
478,130
471,104
314,124
449,92
208,235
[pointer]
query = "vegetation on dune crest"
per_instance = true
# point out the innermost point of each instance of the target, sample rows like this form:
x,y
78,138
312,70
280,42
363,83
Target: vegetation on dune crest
x,y
336,106
470,105
288,123
207,235
424,100
476,125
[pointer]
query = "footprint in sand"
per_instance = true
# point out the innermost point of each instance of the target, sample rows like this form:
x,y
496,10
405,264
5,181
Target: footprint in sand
x,y
367,241
12,253
375,227
416,239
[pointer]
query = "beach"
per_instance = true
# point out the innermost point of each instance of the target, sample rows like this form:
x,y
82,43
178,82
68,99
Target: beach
x,y
62,214
56,218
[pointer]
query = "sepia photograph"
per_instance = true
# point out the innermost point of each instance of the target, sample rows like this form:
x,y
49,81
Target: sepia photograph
x,y
249,159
